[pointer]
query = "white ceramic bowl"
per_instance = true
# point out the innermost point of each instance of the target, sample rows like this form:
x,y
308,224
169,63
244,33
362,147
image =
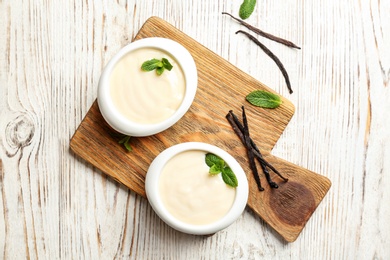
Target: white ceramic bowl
x,y
125,126
152,189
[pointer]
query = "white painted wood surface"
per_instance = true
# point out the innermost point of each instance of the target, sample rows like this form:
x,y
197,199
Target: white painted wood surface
x,y
53,205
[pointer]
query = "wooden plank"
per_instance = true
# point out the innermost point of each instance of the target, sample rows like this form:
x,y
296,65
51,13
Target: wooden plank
x,y
221,87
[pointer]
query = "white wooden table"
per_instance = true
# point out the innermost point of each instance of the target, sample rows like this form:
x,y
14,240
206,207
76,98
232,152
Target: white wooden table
x,y
54,205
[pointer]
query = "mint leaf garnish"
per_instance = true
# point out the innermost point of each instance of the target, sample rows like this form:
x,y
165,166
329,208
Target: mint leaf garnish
x,y
246,9
215,169
156,64
166,64
150,65
264,99
212,159
217,165
229,177
126,143
160,70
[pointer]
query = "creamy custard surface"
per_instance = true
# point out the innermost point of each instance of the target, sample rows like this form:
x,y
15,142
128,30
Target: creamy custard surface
x,y
190,193
144,97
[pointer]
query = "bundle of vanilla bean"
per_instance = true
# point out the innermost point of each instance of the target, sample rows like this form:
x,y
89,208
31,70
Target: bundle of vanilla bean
x,y
242,131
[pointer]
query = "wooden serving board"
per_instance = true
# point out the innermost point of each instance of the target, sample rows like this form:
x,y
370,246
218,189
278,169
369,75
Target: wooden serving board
x,y
221,87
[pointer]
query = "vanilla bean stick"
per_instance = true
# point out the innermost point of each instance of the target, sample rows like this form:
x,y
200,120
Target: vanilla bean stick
x,y
264,34
272,56
256,151
251,157
250,147
240,134
258,155
238,129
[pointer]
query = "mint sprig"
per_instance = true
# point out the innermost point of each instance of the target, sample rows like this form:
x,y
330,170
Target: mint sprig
x,y
126,143
158,65
229,177
264,99
217,165
246,9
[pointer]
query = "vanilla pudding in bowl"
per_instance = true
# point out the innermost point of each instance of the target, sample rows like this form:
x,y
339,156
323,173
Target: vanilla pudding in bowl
x,y
147,86
196,188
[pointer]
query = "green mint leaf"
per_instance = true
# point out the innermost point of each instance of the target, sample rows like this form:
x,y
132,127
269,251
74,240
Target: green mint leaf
x,y
215,169
229,177
247,8
220,164
126,143
128,147
166,64
264,99
158,65
212,159
160,70
217,165
124,139
150,65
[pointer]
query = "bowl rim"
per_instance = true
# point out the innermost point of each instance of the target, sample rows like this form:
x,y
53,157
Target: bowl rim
x,y
152,189
122,124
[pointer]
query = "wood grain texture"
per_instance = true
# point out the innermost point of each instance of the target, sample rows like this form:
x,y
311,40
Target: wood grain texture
x,y
55,206
221,87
